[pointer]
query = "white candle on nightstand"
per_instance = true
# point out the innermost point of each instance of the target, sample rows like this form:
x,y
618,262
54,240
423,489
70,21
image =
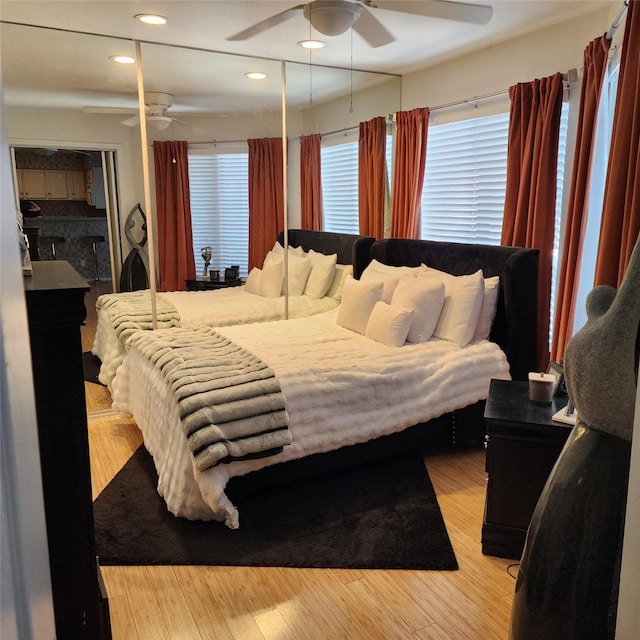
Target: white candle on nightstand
x,y
541,387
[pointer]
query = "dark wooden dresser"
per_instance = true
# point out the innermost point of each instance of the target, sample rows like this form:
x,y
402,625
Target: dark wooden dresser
x,y
523,444
55,307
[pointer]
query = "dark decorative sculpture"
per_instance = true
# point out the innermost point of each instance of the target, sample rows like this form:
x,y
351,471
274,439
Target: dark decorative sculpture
x,y
567,588
135,270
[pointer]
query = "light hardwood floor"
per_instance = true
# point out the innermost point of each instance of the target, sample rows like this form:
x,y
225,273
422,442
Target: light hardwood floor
x,y
245,603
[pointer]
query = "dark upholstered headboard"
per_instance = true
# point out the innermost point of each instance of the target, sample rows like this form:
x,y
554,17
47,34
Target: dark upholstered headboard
x,y
351,249
514,327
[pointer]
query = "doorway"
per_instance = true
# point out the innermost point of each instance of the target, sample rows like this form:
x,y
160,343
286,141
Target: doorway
x,y
68,200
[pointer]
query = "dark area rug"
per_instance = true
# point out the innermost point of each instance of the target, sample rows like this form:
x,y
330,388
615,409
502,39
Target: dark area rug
x,y
381,515
91,365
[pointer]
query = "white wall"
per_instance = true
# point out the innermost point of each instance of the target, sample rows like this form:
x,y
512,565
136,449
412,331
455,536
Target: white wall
x,y
494,69
26,600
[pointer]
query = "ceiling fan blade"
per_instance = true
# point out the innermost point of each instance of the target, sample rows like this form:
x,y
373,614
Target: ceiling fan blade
x,y
444,9
268,23
131,122
186,124
109,110
372,30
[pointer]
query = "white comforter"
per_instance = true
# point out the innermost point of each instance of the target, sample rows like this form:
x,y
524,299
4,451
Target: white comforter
x,y
220,307
341,388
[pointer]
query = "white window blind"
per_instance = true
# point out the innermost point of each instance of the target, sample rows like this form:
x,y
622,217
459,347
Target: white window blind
x,y
340,187
340,184
560,175
464,182
219,187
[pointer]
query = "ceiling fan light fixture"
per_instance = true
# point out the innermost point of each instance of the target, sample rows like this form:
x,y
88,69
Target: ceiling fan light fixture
x,y
158,122
121,59
255,75
312,44
151,18
331,17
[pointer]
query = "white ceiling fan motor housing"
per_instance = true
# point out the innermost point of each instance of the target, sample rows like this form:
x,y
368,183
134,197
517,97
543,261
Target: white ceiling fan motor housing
x,y
331,17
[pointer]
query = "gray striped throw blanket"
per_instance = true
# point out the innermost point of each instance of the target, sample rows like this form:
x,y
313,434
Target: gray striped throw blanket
x,y
230,402
131,311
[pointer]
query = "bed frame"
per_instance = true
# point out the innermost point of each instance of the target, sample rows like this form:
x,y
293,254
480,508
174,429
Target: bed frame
x,y
514,329
351,249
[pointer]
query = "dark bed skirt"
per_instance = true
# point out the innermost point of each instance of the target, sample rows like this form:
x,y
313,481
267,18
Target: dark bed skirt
x,y
464,427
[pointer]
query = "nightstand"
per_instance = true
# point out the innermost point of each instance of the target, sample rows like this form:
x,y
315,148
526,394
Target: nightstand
x,y
523,444
205,284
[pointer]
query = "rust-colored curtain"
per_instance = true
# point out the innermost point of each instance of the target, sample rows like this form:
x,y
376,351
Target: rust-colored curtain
x,y
408,172
372,177
311,182
173,207
266,197
596,56
621,207
530,199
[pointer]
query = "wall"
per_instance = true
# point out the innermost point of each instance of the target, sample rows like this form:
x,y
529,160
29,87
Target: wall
x,y
494,69
25,598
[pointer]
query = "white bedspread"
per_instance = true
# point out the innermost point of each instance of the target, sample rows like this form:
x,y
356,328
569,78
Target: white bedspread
x,y
341,388
220,307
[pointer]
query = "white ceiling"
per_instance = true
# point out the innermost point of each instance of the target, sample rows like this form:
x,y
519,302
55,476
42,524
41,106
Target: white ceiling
x,y
44,67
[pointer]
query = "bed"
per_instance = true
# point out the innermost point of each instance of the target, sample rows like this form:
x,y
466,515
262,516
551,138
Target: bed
x,y
120,314
348,397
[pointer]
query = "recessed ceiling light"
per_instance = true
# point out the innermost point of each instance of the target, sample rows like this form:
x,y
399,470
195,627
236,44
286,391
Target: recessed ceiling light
x,y
150,18
123,59
312,44
256,75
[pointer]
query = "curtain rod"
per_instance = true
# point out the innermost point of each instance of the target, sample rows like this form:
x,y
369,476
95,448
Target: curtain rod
x,y
616,22
487,96
214,142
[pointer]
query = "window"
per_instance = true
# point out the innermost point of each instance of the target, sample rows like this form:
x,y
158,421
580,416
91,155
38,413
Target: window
x,y
340,184
597,179
340,187
464,181
219,187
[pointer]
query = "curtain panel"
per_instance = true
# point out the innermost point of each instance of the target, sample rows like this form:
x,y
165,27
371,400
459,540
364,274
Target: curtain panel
x,y
311,182
530,198
596,57
266,197
173,209
372,177
408,173
621,207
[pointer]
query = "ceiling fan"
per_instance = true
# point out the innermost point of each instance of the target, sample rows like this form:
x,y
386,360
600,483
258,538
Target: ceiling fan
x,y
335,17
157,104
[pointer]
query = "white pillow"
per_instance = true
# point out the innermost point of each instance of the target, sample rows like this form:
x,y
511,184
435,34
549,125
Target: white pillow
x,y
463,297
389,281
380,267
252,285
342,272
320,278
488,310
271,278
389,324
358,300
426,298
279,249
298,268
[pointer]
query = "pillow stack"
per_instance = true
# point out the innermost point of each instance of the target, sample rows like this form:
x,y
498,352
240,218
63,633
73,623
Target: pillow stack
x,y
394,305
313,274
